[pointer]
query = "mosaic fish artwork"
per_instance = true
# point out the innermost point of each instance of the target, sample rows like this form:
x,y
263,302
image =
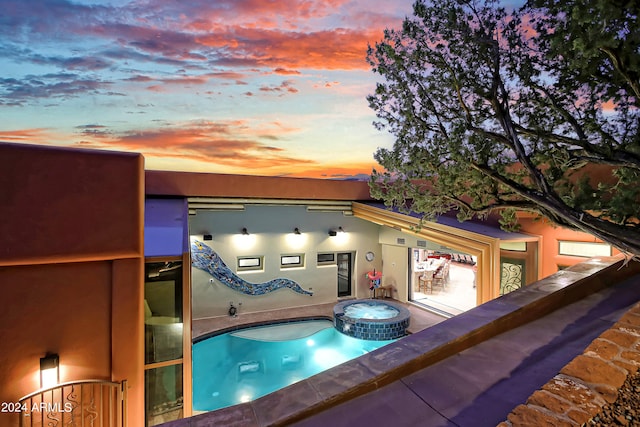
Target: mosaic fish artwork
x,y
205,258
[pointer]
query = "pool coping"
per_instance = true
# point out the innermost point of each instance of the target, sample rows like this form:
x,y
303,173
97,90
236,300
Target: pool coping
x,y
417,351
257,324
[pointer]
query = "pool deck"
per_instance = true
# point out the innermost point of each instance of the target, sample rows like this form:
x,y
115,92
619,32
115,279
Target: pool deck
x,y
420,318
550,354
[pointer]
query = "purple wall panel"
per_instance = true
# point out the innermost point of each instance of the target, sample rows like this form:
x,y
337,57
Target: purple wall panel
x,y
166,227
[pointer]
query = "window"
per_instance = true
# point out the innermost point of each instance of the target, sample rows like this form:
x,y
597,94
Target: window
x,y
164,336
326,258
513,275
248,263
295,260
583,249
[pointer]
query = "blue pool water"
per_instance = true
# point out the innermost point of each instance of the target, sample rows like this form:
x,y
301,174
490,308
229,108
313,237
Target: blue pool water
x,y
241,366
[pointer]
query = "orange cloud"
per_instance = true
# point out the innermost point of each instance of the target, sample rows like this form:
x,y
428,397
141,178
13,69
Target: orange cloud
x,y
272,14
35,135
205,147
360,171
232,144
328,49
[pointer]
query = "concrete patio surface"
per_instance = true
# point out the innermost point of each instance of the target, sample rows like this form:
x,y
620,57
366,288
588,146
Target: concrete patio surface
x,y
420,319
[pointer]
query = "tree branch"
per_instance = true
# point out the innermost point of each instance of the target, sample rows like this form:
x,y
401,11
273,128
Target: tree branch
x,y
592,152
619,66
563,214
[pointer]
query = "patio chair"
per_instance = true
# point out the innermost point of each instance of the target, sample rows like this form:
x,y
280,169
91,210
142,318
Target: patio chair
x,y
439,278
425,280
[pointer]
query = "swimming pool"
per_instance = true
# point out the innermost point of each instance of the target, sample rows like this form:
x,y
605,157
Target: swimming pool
x,y
243,365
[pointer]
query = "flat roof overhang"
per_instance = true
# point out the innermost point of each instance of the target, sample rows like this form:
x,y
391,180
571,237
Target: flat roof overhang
x,y
189,184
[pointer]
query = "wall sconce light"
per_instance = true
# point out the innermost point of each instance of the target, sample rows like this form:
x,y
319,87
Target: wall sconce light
x,y
49,370
244,239
335,232
296,240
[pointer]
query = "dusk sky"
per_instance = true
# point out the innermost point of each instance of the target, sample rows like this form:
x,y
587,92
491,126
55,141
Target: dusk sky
x,y
261,87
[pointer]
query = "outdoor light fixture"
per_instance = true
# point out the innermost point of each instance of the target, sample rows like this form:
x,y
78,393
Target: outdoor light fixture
x,y
339,236
244,239
207,237
335,232
296,240
49,370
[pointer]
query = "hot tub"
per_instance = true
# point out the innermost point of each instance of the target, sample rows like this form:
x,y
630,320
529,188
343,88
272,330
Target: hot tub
x,y
371,319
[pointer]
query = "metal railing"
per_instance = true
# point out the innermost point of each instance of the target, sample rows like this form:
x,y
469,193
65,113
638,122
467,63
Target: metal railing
x,y
88,403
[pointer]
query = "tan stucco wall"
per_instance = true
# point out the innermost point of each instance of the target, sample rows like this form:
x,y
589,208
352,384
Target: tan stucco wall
x,y
271,227
549,259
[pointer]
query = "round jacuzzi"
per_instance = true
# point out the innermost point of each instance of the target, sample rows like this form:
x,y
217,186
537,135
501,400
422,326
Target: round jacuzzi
x,y
371,319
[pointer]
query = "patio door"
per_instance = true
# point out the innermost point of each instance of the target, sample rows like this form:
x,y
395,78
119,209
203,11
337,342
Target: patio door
x,y
344,274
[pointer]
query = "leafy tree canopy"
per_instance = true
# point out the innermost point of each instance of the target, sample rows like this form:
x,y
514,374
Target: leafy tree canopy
x,y
535,109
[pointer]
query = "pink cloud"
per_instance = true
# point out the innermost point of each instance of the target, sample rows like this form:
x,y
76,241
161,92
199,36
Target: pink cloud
x,y
327,49
261,13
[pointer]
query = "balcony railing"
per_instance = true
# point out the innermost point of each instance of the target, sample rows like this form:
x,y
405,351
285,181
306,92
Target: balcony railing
x,y
88,403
